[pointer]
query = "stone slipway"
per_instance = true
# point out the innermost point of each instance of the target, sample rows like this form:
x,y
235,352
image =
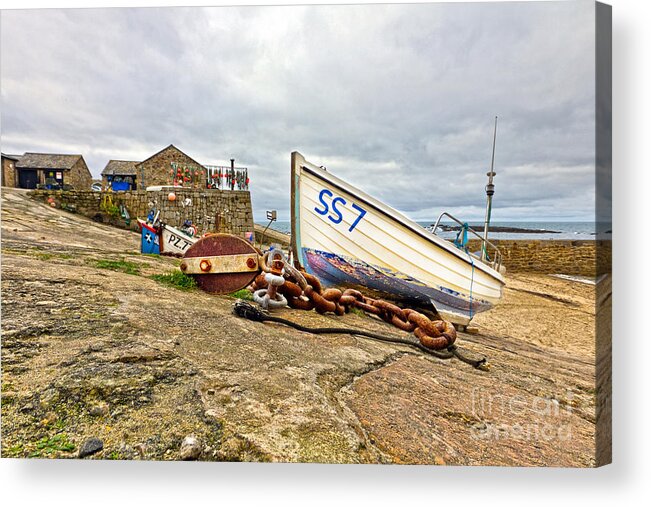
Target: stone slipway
x,y
90,352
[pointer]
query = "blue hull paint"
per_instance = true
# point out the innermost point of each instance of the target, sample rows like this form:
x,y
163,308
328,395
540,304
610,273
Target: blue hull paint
x,y
149,243
335,270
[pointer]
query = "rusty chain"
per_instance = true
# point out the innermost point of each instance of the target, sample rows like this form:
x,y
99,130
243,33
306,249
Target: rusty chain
x,y
280,284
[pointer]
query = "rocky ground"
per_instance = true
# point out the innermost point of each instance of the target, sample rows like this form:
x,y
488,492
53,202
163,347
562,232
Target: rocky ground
x,y
100,360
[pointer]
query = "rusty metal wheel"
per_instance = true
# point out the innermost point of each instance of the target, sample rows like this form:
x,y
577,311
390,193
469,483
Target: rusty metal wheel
x,y
221,263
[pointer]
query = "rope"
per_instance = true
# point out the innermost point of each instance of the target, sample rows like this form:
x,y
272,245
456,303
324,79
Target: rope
x,y
246,310
279,284
463,234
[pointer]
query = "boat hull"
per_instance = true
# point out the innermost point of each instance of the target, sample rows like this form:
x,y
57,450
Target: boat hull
x,y
149,240
337,271
174,242
163,240
347,238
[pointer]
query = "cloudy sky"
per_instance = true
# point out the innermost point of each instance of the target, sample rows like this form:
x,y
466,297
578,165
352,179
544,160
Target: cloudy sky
x,y
397,99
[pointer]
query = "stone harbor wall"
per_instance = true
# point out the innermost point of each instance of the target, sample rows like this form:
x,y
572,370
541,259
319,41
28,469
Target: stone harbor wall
x,y
231,212
552,256
210,210
271,236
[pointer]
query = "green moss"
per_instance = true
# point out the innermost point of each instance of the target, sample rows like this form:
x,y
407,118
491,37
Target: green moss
x,y
110,209
14,451
37,253
130,268
47,446
7,400
244,294
176,279
357,311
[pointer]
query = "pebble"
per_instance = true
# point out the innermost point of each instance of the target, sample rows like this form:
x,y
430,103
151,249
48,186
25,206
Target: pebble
x,y
190,448
99,410
90,447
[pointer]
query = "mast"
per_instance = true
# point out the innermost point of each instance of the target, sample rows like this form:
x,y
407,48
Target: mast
x,y
490,190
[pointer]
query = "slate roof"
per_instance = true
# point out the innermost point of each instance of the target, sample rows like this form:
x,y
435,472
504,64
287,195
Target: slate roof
x,y
167,148
47,161
12,157
120,168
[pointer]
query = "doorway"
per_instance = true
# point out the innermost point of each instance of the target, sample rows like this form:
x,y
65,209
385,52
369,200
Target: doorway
x,y
27,178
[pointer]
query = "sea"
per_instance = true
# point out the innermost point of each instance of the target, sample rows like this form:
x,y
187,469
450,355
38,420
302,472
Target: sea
x,y
561,230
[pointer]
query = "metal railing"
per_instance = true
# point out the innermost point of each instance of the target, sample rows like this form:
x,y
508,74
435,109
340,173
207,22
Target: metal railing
x,y
496,260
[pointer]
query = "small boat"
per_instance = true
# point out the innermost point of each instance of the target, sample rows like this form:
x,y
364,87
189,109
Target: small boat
x,y
149,240
173,241
348,238
161,239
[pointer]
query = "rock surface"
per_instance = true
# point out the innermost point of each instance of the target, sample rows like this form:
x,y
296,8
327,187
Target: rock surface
x,y
169,363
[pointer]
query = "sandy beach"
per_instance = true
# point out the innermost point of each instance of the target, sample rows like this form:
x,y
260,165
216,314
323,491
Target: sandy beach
x,y
545,310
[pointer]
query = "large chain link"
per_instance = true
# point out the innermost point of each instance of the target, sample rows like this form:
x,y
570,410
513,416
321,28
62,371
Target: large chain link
x,y
281,284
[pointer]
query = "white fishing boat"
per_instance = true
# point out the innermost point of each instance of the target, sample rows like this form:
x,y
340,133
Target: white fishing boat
x,y
348,238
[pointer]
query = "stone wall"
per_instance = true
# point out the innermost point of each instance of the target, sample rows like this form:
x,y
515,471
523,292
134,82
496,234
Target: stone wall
x,y
230,210
553,256
271,236
156,169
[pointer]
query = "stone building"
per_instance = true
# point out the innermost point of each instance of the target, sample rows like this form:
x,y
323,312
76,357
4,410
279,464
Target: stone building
x,y
52,171
164,168
9,170
120,175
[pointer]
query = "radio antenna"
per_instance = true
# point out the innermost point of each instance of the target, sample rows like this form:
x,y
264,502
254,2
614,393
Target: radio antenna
x,y
490,190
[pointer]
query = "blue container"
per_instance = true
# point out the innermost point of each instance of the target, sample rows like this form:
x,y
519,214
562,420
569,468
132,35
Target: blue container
x,y
120,185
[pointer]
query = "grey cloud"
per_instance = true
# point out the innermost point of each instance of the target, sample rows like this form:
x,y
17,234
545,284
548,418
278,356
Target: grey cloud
x,y
398,99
